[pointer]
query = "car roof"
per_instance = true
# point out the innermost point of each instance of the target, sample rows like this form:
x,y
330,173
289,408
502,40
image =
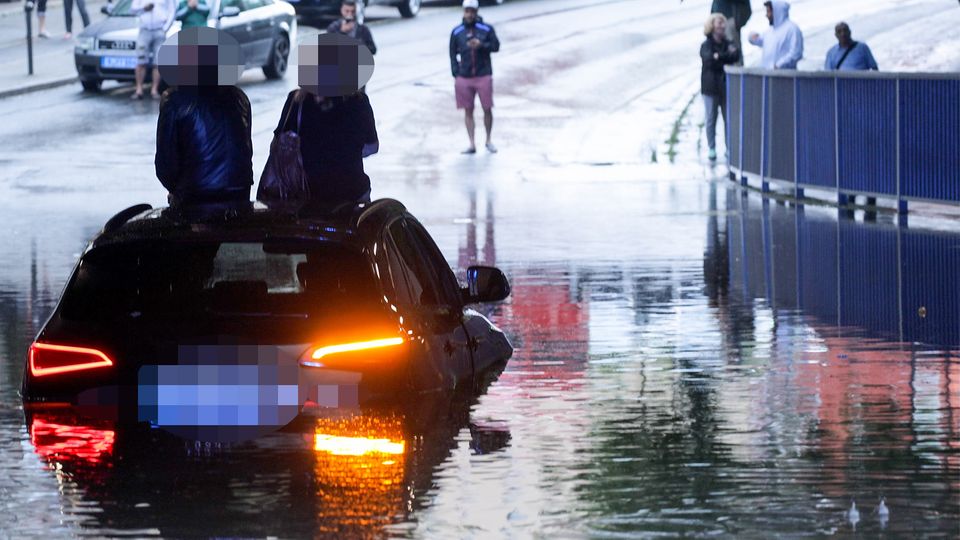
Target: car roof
x,y
353,225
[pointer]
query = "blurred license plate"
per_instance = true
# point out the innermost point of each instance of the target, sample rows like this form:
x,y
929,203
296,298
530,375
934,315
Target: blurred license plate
x,y
118,62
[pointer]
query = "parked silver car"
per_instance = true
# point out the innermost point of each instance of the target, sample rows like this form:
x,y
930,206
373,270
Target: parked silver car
x,y
107,50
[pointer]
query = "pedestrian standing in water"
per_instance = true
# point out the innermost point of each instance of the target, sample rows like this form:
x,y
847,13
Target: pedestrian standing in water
x,y
471,44
333,122
716,52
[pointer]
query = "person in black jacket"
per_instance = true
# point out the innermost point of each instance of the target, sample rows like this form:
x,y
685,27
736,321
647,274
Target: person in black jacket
x,y
336,133
715,52
347,25
470,46
204,149
737,13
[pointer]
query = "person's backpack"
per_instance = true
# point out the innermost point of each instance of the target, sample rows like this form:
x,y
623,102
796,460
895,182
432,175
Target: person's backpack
x,y
283,176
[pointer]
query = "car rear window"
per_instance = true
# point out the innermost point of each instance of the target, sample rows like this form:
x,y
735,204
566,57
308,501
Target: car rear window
x,y
202,280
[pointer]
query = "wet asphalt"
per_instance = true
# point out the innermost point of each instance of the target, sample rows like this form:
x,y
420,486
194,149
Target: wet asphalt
x,y
691,359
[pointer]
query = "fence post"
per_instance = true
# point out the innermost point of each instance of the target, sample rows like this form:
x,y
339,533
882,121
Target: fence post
x,y
797,190
764,185
743,176
841,197
901,203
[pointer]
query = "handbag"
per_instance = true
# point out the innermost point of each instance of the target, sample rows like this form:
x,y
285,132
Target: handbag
x,y
283,176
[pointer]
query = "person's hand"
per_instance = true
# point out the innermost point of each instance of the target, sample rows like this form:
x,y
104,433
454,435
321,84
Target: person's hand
x,y
716,56
148,7
754,36
473,43
732,49
347,26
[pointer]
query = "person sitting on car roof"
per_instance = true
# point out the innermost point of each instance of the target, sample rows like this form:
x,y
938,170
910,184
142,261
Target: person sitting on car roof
x,y
333,121
204,149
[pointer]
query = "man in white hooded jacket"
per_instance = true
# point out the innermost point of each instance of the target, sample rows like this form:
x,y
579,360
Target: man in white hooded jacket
x,y
783,42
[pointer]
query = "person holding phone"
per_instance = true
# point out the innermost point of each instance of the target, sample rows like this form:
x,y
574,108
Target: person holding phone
x,y
347,25
471,44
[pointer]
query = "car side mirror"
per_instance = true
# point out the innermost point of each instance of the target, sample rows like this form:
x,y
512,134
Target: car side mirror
x,y
230,11
485,284
105,9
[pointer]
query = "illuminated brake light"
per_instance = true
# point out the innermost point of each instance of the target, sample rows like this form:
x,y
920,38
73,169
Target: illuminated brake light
x,y
50,359
321,352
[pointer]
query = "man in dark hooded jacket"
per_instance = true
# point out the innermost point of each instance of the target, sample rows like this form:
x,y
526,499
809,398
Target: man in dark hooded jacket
x,y
471,44
204,149
737,13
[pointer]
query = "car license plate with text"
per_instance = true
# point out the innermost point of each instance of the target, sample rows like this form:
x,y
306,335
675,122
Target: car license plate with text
x,y
118,62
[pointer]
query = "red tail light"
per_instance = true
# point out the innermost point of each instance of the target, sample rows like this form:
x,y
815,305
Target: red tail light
x,y
50,359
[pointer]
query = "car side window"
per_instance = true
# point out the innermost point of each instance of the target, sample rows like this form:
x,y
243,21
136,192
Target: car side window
x,y
224,4
391,272
253,4
422,285
448,288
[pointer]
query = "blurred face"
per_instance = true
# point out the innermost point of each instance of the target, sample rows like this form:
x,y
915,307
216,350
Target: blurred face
x,y
348,12
843,34
470,15
719,27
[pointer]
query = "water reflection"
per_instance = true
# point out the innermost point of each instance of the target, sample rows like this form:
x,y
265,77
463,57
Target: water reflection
x,y
889,282
344,474
768,372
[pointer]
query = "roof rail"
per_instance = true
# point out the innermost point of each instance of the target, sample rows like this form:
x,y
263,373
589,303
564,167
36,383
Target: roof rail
x,y
124,216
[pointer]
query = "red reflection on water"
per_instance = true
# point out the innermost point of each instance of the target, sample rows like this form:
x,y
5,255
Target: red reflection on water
x,y
70,442
552,332
917,398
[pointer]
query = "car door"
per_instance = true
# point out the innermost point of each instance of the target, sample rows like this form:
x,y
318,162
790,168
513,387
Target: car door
x,y
426,298
261,27
240,27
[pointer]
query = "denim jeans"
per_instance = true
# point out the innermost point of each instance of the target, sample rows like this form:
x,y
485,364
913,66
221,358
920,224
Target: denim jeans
x,y
712,103
68,13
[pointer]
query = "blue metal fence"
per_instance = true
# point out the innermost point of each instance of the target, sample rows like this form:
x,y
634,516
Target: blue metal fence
x,y
891,135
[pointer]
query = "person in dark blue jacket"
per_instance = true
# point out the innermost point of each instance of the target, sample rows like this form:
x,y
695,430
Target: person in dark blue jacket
x,y
204,149
471,44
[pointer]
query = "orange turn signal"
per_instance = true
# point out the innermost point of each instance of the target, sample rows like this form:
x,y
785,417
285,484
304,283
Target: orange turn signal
x,y
322,352
50,359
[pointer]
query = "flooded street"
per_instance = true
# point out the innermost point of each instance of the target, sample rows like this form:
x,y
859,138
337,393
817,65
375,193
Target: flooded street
x,y
690,359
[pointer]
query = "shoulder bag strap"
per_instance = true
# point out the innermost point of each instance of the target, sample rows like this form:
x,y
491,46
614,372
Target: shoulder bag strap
x,y
844,57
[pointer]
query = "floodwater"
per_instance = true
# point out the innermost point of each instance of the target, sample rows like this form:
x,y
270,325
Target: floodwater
x,y
797,365
689,361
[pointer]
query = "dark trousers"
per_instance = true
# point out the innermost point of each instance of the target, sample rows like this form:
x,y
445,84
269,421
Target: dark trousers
x,y
68,13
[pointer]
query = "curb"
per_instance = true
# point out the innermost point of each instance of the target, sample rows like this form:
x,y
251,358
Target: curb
x,y
46,85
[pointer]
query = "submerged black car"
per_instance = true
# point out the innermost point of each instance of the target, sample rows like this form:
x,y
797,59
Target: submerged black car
x,y
235,322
